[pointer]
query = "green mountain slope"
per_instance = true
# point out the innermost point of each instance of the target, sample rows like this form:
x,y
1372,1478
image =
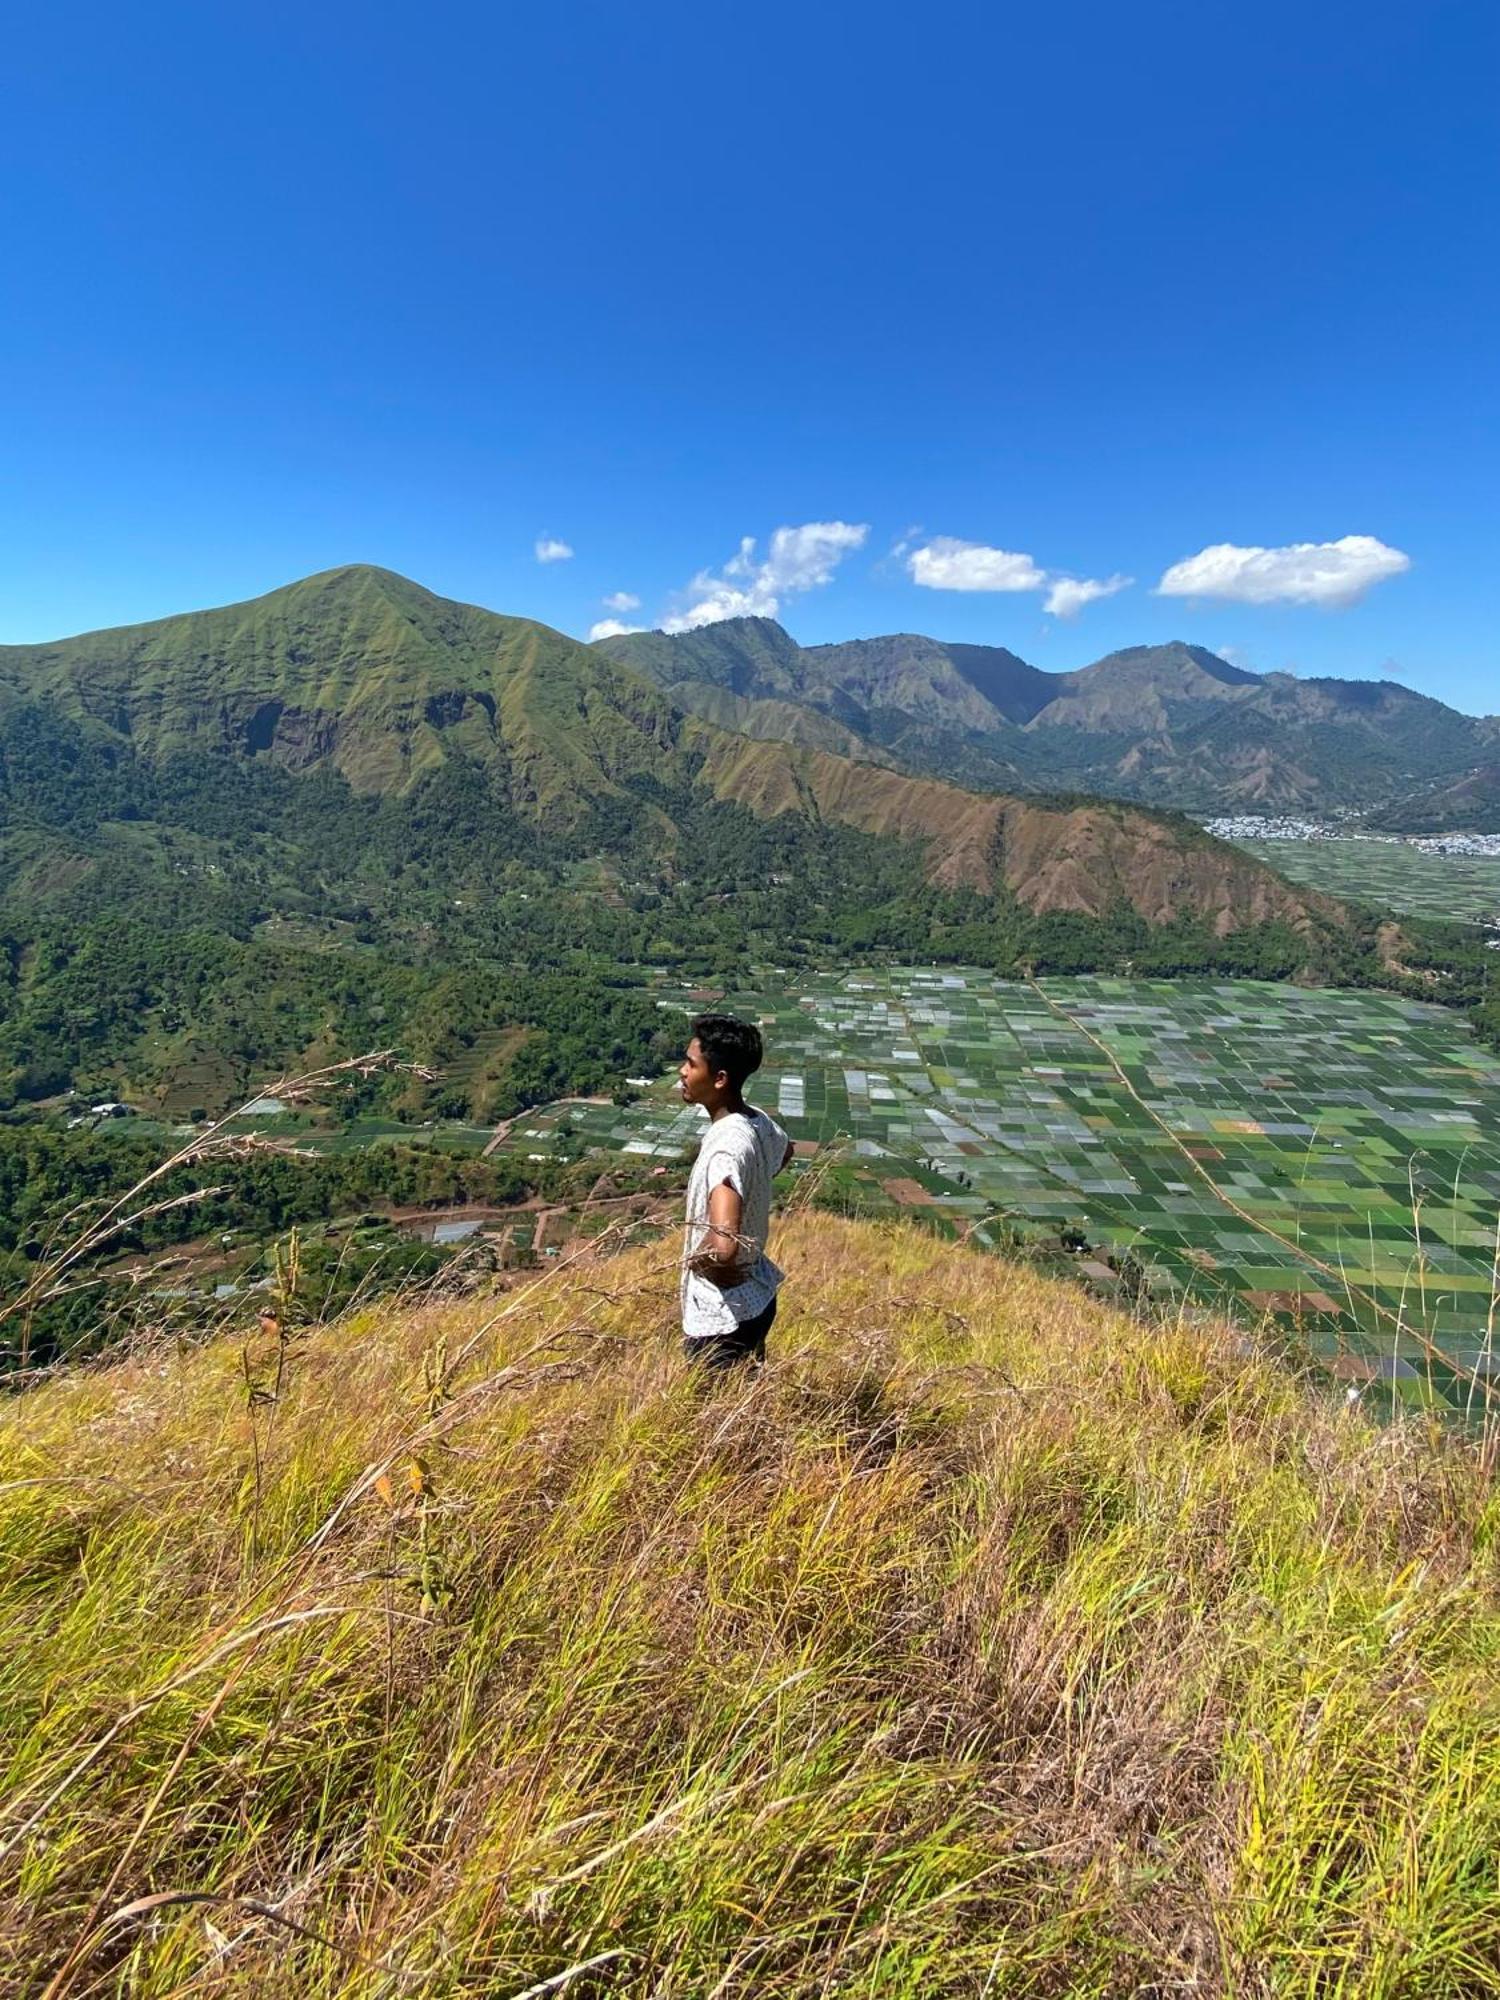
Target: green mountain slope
x,y
1142,688
904,674
774,720
365,671
749,656
978,688
362,673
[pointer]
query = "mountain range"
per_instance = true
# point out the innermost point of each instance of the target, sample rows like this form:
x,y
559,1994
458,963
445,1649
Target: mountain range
x,y
363,673
1171,724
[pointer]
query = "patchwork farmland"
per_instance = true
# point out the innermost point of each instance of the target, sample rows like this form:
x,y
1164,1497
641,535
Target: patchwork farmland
x,y
1391,875
1222,1141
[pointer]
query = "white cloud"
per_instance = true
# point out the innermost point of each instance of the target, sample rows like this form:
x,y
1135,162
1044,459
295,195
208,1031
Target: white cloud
x,y
1330,574
549,549
611,628
798,559
622,600
945,563
1067,595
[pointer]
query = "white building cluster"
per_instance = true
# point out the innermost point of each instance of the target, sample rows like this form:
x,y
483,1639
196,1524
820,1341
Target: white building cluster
x,y
1289,826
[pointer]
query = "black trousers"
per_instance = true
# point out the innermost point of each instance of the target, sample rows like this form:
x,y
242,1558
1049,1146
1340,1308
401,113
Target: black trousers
x,y
727,1350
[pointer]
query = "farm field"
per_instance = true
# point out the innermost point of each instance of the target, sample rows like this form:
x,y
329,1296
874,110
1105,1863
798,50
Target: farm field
x,y
1412,881
1363,1130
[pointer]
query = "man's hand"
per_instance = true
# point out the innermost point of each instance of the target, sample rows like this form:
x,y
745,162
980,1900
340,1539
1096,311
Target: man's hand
x,y
719,1257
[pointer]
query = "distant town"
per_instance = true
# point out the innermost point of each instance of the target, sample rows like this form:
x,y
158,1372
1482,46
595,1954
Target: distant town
x,y
1287,826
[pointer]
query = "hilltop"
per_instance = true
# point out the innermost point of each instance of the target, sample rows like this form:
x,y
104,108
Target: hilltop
x,y
1171,723
362,671
992,1643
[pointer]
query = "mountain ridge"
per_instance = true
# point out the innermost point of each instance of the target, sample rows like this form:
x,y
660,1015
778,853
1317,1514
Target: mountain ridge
x,y
1172,723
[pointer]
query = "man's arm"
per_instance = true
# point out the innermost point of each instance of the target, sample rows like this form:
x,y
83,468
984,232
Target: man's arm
x,y
786,1158
718,1255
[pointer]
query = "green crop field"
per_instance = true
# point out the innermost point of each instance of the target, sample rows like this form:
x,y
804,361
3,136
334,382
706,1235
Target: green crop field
x,y
1363,1130
1412,881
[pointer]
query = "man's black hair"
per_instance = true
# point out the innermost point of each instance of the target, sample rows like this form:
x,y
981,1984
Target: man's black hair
x,y
729,1045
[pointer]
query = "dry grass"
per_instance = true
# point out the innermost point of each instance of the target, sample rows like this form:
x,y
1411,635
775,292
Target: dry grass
x,y
990,1644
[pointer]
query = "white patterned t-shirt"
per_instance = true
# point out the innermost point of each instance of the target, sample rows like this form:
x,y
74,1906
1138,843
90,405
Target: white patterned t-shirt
x,y
746,1149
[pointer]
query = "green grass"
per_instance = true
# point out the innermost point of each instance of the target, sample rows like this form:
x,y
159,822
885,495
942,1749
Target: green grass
x,y
990,1644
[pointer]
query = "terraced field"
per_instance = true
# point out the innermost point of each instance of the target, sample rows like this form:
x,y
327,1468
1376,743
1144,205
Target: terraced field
x,y
1328,1159
1412,881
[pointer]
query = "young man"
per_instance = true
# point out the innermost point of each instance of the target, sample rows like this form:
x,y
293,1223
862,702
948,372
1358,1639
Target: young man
x,y
729,1284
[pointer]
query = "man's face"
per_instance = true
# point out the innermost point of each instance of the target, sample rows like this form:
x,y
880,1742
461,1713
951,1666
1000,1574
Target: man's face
x,y
696,1082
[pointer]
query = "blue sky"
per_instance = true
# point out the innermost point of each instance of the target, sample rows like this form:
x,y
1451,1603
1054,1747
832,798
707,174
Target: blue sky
x,y
1075,293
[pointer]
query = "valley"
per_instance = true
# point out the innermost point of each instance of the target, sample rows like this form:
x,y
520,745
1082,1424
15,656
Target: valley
x,y
353,816
1327,1163
1133,1116
1323,1165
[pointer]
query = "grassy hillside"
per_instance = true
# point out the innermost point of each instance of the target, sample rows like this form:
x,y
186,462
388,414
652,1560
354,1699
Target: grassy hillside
x,y
747,656
990,1644
919,678
1082,857
363,670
